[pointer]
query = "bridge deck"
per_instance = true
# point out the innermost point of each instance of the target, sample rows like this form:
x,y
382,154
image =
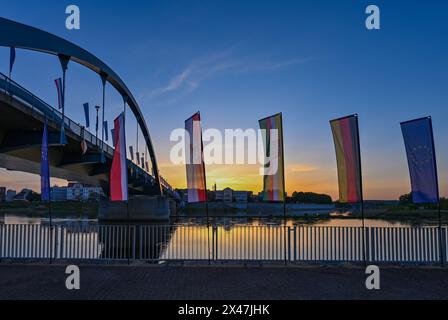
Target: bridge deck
x,y
20,145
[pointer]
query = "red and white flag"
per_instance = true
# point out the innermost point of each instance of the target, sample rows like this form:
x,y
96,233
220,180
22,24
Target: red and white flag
x,y
196,183
118,173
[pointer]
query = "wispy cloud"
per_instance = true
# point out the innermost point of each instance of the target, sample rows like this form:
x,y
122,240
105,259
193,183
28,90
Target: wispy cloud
x,y
193,75
300,168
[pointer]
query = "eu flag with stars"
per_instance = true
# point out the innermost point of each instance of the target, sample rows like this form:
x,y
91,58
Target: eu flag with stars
x,y
419,143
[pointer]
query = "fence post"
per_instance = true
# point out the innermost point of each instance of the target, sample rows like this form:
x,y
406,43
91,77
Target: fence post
x,y
61,241
289,244
134,229
295,243
443,235
366,237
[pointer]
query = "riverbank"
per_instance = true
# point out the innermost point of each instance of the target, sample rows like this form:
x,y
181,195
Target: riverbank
x,y
308,214
36,281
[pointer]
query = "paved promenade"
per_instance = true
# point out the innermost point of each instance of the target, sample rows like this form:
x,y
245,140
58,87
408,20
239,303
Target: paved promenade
x,y
38,281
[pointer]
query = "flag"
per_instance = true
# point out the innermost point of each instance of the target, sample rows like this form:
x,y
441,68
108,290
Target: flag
x,y
96,123
112,132
86,114
143,162
118,173
274,177
44,168
348,158
58,83
138,157
83,146
12,58
106,132
419,143
195,166
131,151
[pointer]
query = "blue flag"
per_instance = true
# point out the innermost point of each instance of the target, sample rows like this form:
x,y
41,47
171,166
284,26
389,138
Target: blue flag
x,y
131,151
86,113
106,132
63,138
45,168
112,131
96,124
419,143
12,58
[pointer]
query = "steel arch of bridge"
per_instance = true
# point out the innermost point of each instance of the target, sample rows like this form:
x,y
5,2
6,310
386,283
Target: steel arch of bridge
x,y
18,35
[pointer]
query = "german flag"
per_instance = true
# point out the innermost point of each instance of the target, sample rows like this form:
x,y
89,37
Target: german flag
x,y
273,184
346,143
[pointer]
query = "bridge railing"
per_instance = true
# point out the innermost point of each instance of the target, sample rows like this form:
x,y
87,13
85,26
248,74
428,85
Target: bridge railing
x,y
36,104
39,106
218,243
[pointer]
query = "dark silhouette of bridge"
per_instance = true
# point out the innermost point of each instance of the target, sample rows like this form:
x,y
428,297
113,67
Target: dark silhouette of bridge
x,y
23,116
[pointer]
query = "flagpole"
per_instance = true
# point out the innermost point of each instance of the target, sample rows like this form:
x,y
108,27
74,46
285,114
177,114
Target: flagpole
x,y
206,196
362,194
51,229
284,189
12,58
438,195
127,201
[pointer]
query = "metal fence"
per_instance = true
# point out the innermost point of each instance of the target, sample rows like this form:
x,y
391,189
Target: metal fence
x,y
157,243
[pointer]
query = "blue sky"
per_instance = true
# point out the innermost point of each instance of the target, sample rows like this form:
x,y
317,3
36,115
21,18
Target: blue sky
x,y
238,61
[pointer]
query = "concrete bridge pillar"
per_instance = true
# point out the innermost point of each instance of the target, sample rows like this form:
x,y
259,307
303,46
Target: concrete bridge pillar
x,y
139,208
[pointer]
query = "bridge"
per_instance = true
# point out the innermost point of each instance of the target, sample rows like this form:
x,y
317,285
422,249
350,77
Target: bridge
x,y
24,113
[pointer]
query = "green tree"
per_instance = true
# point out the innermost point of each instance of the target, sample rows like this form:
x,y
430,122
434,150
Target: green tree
x,y
405,199
311,197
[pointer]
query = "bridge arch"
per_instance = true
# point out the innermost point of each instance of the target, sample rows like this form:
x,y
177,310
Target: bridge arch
x,y
18,35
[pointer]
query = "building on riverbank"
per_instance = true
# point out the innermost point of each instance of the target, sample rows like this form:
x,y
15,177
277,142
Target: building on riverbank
x,y
230,195
76,192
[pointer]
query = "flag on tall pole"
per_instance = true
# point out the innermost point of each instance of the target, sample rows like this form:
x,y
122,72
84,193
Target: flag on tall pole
x,y
131,151
12,59
58,83
418,139
86,114
112,132
274,173
348,158
106,131
196,180
44,167
118,173
421,156
96,123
